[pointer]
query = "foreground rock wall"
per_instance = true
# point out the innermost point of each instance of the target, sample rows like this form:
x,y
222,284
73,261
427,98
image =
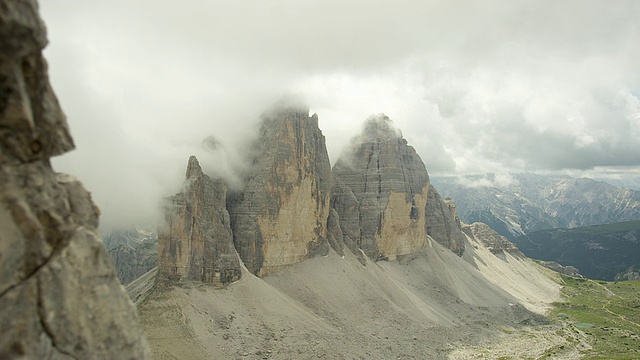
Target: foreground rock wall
x,y
281,216
196,243
59,294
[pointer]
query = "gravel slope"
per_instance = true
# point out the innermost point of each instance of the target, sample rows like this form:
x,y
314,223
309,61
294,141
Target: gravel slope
x,y
432,304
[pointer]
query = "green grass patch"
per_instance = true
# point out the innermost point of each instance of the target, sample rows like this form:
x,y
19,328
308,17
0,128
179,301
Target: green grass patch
x,y
607,312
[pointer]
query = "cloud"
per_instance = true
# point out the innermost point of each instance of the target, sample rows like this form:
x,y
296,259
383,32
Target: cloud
x,y
475,87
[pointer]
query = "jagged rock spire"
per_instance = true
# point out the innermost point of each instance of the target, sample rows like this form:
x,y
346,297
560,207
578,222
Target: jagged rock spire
x,y
193,167
196,242
281,216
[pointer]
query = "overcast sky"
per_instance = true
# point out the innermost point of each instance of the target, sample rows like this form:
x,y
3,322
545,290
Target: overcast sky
x,y
475,86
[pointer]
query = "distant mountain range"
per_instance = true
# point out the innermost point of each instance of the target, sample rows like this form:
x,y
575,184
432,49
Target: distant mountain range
x,y
606,252
526,202
134,251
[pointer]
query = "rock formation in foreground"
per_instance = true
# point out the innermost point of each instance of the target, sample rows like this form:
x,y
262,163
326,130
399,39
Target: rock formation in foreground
x,y
383,198
59,294
281,216
196,242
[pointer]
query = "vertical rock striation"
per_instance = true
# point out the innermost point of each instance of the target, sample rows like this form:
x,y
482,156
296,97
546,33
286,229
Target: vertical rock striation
x,y
196,242
281,216
59,294
443,225
379,191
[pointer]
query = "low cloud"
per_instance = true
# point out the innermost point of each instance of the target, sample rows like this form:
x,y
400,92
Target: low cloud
x,y
475,87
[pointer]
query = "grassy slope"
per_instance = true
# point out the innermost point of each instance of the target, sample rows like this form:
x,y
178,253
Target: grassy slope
x,y
607,312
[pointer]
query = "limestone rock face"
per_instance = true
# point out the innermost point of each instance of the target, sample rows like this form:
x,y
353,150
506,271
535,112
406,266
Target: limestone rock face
x,y
443,225
196,243
281,216
59,294
495,242
379,190
335,235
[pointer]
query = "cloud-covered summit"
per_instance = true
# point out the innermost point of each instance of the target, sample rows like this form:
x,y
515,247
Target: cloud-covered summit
x,y
487,86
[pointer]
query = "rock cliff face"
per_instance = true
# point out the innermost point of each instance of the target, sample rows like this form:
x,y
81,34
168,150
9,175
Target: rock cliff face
x,y
196,243
443,224
281,216
59,295
380,189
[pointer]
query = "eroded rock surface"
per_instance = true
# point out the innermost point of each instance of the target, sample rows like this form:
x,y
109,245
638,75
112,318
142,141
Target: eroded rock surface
x,y
443,225
379,191
196,243
281,216
59,294
494,242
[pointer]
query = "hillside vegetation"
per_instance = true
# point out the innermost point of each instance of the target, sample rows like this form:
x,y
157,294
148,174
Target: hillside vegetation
x,y
599,252
607,313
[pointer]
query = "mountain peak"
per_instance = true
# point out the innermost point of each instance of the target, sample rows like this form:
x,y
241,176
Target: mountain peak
x,y
380,127
193,167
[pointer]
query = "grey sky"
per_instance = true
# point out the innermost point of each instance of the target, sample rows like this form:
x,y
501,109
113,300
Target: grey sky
x,y
475,86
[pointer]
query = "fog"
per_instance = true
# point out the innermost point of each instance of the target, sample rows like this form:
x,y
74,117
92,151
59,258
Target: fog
x,y
475,87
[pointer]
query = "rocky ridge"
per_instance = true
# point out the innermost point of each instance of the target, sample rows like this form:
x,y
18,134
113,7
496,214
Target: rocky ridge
x,y
494,242
378,256
531,202
376,201
59,294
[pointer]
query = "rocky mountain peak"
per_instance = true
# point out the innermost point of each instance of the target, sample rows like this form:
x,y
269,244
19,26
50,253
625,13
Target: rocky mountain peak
x,y
380,128
193,168
380,191
280,218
